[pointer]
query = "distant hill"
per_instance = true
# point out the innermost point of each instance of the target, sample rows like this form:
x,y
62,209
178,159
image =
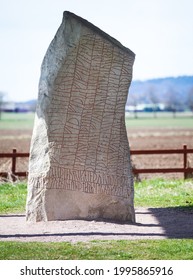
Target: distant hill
x,y
31,102
167,91
162,90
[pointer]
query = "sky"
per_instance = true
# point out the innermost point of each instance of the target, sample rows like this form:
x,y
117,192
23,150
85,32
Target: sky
x,y
159,32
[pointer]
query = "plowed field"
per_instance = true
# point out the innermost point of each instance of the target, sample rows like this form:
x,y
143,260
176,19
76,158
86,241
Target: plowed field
x,y
140,138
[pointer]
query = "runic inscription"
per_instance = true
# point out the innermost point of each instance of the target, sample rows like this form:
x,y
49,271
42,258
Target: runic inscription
x,y
85,181
79,146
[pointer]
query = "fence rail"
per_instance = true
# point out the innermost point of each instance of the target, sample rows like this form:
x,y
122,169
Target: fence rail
x,y
14,155
185,169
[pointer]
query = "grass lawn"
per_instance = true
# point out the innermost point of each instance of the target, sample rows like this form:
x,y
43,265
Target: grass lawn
x,y
17,121
166,249
164,120
12,197
150,193
164,193
160,122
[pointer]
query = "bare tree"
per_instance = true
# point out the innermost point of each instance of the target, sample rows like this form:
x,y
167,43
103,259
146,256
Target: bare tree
x,y
153,97
172,101
133,101
32,106
190,99
1,102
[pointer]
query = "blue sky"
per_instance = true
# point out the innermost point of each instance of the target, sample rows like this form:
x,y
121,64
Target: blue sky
x,y
159,32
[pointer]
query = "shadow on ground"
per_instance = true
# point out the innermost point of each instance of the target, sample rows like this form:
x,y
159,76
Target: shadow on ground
x,y
177,222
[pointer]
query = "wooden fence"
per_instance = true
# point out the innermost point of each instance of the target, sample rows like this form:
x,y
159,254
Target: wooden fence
x,y
14,155
185,169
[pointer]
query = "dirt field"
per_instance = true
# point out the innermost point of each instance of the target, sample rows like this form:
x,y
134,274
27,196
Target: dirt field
x,y
19,139
144,138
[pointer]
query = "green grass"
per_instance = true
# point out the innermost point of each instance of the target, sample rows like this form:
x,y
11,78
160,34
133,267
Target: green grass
x,y
99,250
146,120
160,122
12,197
17,121
164,193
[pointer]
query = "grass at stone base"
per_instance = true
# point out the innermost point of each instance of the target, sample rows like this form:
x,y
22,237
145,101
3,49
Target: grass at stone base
x,y
165,249
164,193
12,197
150,193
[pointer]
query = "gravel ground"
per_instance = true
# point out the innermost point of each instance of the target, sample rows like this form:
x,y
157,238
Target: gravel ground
x,y
151,223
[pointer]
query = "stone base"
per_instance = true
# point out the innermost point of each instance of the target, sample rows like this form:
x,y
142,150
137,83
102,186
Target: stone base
x,y
68,205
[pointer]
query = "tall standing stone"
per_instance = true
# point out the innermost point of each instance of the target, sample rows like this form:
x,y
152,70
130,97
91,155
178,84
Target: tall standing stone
x,y
79,160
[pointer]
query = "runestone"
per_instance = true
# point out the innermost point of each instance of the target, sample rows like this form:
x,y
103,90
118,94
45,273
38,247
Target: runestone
x,y
79,164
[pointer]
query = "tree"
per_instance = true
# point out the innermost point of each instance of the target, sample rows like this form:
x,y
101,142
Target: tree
x,y
1,102
153,97
172,101
134,100
190,99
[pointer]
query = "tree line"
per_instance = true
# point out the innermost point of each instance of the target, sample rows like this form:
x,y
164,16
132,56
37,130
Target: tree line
x,y
171,100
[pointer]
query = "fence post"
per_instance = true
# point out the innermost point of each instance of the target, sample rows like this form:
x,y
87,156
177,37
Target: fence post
x,y
13,168
185,161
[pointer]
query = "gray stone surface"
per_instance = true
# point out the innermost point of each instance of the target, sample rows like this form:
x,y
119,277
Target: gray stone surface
x,y
80,163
